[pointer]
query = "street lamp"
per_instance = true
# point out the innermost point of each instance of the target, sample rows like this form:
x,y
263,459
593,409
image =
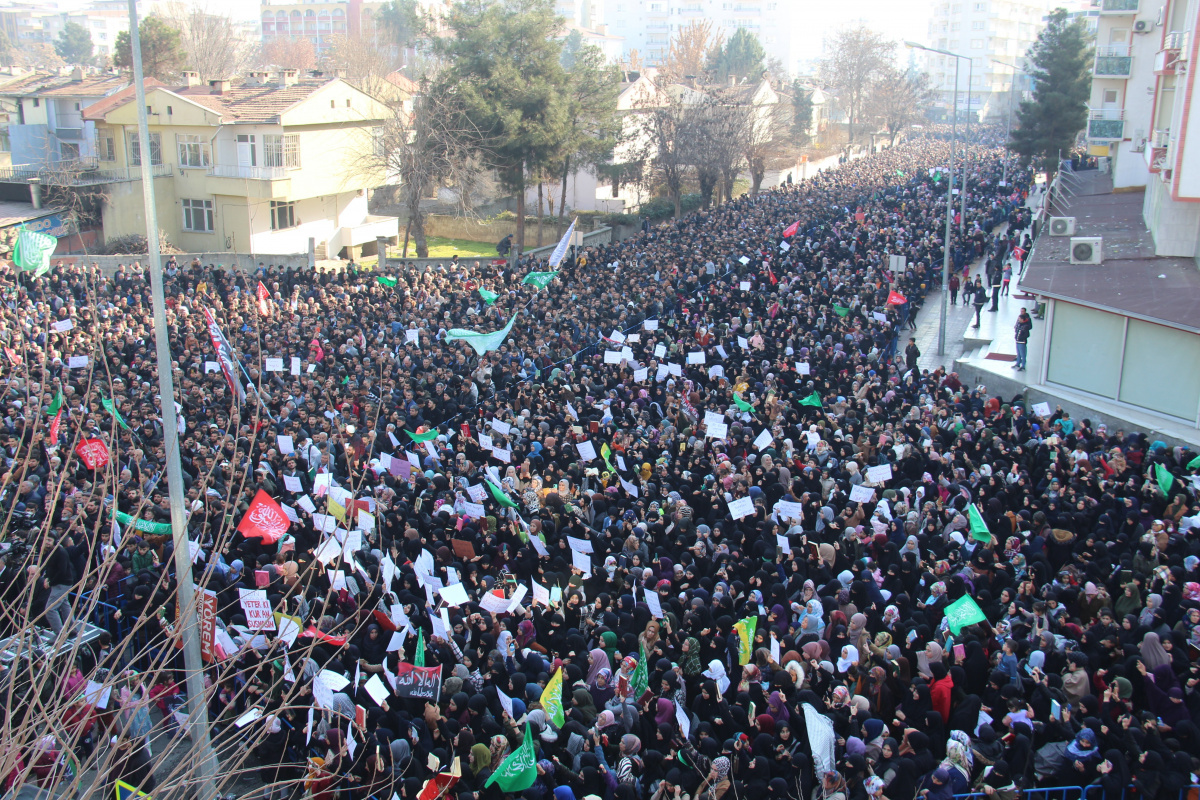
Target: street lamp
x,y
1008,117
949,197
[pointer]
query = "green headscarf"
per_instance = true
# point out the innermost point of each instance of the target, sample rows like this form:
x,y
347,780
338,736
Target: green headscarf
x,y
608,641
691,659
481,758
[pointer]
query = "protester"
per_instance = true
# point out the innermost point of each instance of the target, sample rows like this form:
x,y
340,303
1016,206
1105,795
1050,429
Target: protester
x,y
693,528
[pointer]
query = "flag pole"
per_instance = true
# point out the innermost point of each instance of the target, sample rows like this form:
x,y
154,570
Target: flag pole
x,y
204,759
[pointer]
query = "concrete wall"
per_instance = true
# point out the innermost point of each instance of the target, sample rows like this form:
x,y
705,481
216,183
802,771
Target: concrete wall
x,y
246,261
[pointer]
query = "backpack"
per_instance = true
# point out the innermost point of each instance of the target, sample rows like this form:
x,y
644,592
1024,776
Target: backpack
x,y
1048,758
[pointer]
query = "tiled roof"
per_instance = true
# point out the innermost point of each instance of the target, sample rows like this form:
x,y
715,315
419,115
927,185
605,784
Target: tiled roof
x,y
99,86
97,110
403,82
50,84
248,102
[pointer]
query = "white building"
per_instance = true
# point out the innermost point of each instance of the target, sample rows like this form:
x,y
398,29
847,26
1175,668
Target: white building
x,y
981,30
648,25
1126,73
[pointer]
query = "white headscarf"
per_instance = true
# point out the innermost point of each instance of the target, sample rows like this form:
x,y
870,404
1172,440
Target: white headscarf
x,y
716,671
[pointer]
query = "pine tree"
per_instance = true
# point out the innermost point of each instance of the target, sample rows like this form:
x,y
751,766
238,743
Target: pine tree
x,y
1049,123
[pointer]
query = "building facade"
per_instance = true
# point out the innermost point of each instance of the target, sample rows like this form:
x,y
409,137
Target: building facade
x,y
320,22
983,31
41,115
261,166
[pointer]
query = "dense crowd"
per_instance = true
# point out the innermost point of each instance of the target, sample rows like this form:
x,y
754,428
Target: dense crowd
x,y
741,588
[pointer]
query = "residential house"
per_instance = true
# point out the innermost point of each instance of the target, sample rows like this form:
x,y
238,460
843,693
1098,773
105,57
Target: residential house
x,y
42,118
264,165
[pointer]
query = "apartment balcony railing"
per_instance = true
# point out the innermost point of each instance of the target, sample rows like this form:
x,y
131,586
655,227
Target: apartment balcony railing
x,y
1106,124
250,173
1119,6
77,173
1113,62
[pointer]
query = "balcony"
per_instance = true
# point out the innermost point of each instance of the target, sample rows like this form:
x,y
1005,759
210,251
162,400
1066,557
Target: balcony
x,y
240,181
77,173
1106,124
1156,150
1127,7
372,227
1112,62
1175,45
249,173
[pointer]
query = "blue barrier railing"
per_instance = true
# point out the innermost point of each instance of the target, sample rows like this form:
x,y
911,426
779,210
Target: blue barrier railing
x,y
1091,792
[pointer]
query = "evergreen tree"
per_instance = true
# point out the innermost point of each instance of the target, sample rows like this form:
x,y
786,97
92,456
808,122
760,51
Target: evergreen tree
x,y
1049,123
162,53
503,66
74,44
741,58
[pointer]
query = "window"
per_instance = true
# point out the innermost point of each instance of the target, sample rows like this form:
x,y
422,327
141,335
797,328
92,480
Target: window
x,y
135,150
37,101
68,151
283,215
1110,97
106,147
198,215
980,7
282,150
978,25
5,146
977,44
193,150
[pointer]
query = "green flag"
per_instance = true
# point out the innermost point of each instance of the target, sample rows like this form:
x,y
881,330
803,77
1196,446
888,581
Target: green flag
x,y
112,409
518,771
500,496
552,701
740,403
841,311
143,525
745,631
32,251
639,681
488,297
963,612
385,281
606,453
1194,463
482,342
427,436
979,528
419,656
1164,478
56,405
540,279
813,400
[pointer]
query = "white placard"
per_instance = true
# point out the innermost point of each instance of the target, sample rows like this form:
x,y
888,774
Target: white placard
x,y
764,440
476,493
258,609
502,454
621,463
582,562
274,365
587,451
1042,409
97,694
295,365
784,247
660,351
412,336
539,546
250,716
744,285
650,324
612,356
742,507
375,688
617,336
861,494
783,544
485,441
721,352
64,325
292,484
713,418
641,374
627,353
289,629
580,545
743,343
878,317
652,603
515,601
744,260
541,594
685,722
77,362
627,486
330,549
306,503
787,510
695,357
474,510
211,366
717,431
676,370
493,603
285,444
505,702
397,640
500,427
454,594
803,368
879,474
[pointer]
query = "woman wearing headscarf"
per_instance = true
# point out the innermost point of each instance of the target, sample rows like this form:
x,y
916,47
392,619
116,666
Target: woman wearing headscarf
x,y
1153,655
597,661
1113,776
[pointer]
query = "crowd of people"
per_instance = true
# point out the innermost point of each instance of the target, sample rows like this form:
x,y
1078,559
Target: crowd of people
x,y
691,531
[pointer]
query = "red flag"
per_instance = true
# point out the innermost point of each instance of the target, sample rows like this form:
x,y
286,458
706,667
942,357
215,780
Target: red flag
x,y
790,230
224,356
771,275
264,300
896,299
438,786
93,452
311,632
12,356
264,519
1019,253
54,426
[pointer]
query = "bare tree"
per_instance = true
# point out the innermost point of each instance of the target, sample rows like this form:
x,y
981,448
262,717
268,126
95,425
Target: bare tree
x,y
898,100
283,53
366,66
854,59
769,141
718,124
691,47
664,123
211,42
424,149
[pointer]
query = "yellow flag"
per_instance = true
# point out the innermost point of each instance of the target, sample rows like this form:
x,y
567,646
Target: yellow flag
x,y
337,510
745,630
552,702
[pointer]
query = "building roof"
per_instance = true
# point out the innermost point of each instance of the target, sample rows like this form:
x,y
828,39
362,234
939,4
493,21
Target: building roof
x,y
52,84
246,102
402,82
97,110
1132,280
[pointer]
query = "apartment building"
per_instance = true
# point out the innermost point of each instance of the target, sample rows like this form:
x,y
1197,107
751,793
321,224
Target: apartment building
x,y
261,165
41,24
985,32
648,25
321,21
41,114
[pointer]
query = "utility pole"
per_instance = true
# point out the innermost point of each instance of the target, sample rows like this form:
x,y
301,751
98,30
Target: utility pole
x,y
204,759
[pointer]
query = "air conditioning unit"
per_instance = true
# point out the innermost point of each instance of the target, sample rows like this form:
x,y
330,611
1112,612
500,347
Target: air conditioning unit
x,y
1086,249
1162,138
1062,226
1143,26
